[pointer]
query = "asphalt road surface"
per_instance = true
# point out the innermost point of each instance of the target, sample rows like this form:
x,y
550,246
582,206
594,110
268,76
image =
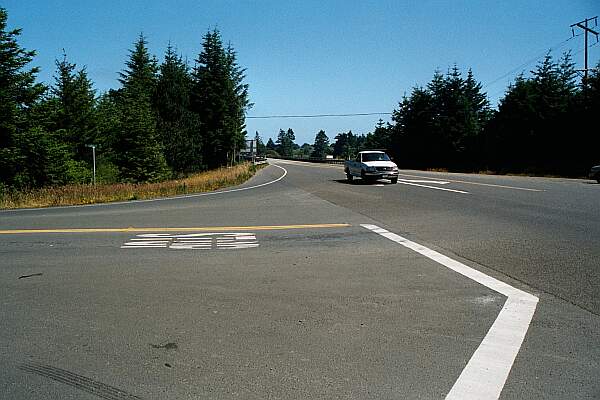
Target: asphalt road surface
x,y
299,285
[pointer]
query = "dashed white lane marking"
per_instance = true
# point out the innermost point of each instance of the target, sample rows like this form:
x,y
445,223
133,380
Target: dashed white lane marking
x,y
425,181
482,184
194,241
486,372
404,182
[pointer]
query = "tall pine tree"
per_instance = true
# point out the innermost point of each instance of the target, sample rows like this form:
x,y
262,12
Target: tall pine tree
x,y
75,117
177,125
18,93
285,142
533,128
239,101
321,145
380,138
220,99
441,124
138,153
260,146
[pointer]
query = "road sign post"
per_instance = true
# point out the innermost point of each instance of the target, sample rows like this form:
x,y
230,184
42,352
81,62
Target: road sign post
x,y
93,146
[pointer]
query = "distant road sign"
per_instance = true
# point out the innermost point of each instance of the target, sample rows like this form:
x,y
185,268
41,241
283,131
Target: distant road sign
x,y
250,147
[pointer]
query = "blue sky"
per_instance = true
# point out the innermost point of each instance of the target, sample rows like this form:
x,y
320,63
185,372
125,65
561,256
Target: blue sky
x,y
312,57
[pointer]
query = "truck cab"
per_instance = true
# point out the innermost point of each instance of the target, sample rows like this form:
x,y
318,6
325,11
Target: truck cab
x,y
371,165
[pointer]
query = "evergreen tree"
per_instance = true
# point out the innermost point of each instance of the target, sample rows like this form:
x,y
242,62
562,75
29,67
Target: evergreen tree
x,y
239,101
380,138
260,146
435,120
107,111
220,99
138,153
556,97
304,151
415,129
477,113
46,160
453,117
271,145
75,119
207,100
347,145
109,126
177,126
442,124
510,132
140,74
285,142
528,133
585,111
321,145
44,156
18,93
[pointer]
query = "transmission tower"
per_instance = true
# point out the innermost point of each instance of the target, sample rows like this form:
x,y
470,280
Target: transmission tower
x,y
586,29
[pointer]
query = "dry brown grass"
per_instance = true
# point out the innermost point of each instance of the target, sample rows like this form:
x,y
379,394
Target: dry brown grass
x,y
89,194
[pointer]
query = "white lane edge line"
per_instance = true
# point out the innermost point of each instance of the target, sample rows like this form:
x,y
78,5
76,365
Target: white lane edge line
x,y
425,181
150,200
308,164
480,183
432,187
486,372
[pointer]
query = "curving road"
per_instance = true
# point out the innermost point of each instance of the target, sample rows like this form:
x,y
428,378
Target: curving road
x,y
300,285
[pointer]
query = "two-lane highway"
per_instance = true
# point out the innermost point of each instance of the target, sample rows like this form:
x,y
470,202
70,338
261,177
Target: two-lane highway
x,y
543,231
300,285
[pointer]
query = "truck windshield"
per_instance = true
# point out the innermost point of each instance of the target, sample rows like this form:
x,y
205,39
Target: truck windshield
x,y
375,157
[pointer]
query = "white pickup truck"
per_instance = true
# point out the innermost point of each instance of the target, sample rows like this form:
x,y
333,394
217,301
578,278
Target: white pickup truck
x,y
371,165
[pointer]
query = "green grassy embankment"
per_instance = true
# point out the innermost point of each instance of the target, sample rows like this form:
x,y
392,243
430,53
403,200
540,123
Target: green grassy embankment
x,y
89,194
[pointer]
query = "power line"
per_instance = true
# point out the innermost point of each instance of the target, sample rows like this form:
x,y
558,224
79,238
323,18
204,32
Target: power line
x,y
572,54
512,71
316,115
582,50
552,48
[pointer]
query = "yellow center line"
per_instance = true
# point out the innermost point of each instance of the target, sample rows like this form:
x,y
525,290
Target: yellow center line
x,y
173,229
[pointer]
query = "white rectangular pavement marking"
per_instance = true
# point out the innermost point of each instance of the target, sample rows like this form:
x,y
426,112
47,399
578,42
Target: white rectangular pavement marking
x,y
193,241
486,372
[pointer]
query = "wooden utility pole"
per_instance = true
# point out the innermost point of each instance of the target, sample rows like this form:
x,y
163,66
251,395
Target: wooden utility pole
x,y
584,25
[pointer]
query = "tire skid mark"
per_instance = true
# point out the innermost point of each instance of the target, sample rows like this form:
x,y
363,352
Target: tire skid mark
x,y
77,381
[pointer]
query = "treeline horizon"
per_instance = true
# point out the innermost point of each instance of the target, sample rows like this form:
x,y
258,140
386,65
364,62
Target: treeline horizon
x,y
166,119
545,124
